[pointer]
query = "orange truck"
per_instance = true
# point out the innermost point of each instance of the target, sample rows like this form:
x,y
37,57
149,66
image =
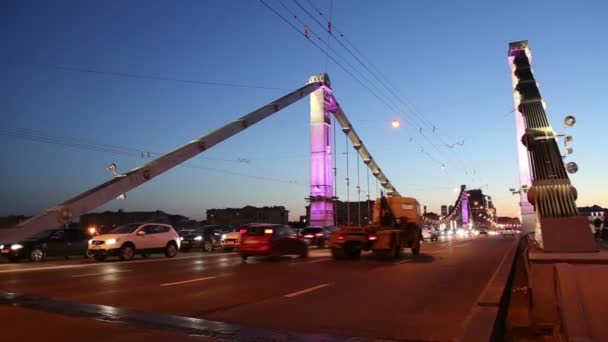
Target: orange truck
x,y
396,225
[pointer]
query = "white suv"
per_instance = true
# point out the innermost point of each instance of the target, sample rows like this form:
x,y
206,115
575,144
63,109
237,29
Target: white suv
x,y
135,238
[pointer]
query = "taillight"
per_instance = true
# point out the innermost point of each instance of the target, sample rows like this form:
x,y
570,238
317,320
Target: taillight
x,y
243,231
372,238
319,234
340,237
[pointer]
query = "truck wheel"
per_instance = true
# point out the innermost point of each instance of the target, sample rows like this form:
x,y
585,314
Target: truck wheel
x,y
398,250
353,253
416,249
337,253
304,252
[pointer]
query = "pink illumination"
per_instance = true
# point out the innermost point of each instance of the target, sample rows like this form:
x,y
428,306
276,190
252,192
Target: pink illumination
x,y
321,168
528,216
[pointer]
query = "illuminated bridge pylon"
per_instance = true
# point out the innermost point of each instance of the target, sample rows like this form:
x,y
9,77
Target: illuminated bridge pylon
x,y
559,228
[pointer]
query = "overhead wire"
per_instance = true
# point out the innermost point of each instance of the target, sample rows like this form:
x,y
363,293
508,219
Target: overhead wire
x,y
163,78
122,151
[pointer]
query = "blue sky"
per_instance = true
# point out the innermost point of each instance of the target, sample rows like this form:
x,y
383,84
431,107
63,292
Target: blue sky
x,y
448,58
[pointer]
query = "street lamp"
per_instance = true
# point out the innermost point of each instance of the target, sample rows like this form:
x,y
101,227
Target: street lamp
x,y
396,123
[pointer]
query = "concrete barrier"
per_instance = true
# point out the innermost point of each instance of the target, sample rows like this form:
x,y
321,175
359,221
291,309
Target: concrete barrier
x,y
488,316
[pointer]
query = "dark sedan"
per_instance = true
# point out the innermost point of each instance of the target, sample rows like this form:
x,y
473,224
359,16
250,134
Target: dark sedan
x,y
50,242
205,237
315,236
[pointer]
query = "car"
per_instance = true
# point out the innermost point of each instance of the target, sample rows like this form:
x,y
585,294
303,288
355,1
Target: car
x,y
230,240
483,232
136,238
315,236
49,242
207,237
273,240
430,234
508,232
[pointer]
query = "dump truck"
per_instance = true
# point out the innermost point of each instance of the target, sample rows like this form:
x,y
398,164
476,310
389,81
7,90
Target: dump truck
x,y
396,224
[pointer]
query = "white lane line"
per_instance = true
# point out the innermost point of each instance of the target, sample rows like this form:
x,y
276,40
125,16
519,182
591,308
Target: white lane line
x,y
308,262
187,281
100,273
50,268
310,289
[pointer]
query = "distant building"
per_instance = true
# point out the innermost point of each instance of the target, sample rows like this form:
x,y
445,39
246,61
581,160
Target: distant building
x,y
248,214
444,210
483,212
450,208
11,221
108,220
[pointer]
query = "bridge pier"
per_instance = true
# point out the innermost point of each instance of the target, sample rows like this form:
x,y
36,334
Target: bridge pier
x,y
527,214
321,167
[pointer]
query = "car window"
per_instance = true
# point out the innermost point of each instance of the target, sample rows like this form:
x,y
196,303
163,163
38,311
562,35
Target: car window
x,y
57,236
150,229
289,232
74,235
125,229
162,229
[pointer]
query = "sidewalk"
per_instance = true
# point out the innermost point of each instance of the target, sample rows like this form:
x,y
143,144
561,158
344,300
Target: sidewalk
x,y
19,324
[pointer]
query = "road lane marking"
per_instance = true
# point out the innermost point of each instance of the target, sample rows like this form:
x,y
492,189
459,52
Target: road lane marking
x,y
100,273
310,289
187,281
308,262
97,264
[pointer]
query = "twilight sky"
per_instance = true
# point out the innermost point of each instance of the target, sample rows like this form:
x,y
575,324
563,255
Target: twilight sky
x,y
65,92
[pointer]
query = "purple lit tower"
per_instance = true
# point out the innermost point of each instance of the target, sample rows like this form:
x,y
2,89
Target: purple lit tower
x,y
464,207
321,168
528,215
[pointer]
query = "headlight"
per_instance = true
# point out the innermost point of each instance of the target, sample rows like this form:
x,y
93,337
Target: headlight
x,y
181,238
198,238
16,247
111,241
90,241
223,236
1,246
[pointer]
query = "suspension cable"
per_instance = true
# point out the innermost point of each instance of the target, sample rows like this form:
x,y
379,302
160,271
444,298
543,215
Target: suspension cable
x,y
335,157
358,191
347,186
368,200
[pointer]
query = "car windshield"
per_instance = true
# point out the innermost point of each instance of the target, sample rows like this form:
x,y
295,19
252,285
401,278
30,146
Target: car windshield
x,y
126,229
43,234
185,232
311,230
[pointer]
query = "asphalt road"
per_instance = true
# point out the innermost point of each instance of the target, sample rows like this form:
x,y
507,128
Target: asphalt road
x,y
424,298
